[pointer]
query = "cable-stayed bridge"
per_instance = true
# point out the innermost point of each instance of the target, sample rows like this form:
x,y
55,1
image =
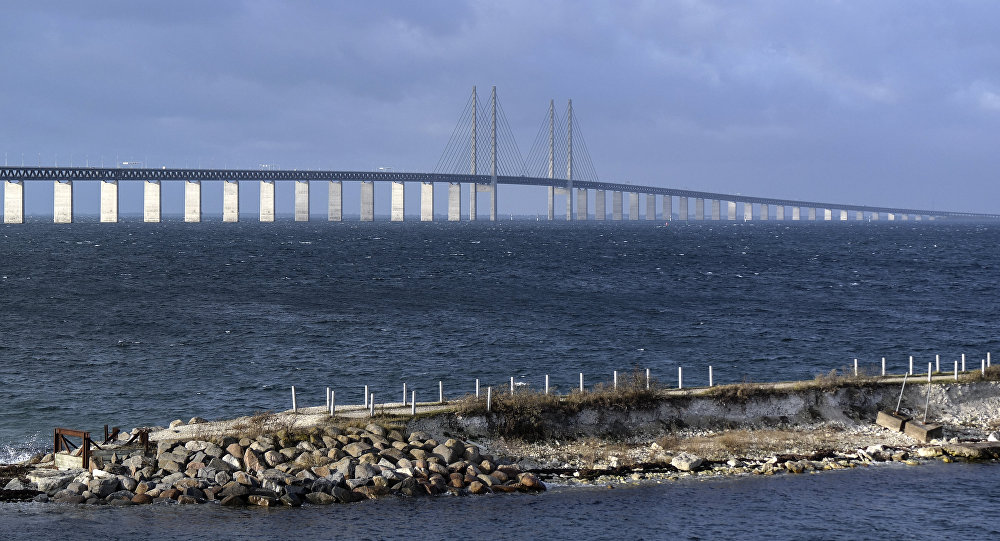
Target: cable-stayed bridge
x,y
481,154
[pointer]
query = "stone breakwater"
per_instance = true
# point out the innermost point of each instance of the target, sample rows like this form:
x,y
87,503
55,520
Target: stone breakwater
x,y
319,466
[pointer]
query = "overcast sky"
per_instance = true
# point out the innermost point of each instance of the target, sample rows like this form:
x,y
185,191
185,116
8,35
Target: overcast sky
x,y
884,103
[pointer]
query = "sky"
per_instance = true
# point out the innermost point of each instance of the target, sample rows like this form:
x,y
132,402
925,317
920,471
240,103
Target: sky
x,y
893,103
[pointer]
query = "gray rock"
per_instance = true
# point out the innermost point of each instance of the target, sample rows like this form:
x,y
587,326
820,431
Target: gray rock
x,y
196,445
16,484
52,481
101,488
686,462
234,489
214,450
120,495
365,471
234,462
355,483
346,496
357,448
320,498
169,480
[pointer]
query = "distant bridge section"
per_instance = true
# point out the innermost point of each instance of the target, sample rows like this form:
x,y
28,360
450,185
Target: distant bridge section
x,y
581,192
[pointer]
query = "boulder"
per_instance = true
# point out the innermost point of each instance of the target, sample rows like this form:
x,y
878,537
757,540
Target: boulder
x,y
477,487
686,462
346,496
233,501
175,423
320,498
357,448
252,462
262,501
101,488
142,499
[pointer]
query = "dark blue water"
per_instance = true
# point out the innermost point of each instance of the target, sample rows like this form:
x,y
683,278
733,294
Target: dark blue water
x,y
940,501
137,324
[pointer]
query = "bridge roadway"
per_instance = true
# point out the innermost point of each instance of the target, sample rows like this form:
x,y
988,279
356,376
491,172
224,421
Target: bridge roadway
x,y
13,178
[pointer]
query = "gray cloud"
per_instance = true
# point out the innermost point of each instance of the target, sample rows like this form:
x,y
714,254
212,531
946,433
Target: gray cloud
x,y
882,103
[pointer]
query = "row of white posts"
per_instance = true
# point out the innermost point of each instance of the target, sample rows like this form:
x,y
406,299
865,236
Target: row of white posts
x,y
983,365
369,397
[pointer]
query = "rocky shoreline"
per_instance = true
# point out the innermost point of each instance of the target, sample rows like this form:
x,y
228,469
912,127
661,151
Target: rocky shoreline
x,y
461,448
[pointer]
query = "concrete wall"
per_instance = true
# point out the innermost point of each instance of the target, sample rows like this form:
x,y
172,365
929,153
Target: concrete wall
x,y
367,201
192,201
335,204
230,201
398,204
682,208
668,211
266,201
633,206
62,209
581,204
455,202
600,205
650,206
427,202
301,200
109,201
616,206
151,205
13,202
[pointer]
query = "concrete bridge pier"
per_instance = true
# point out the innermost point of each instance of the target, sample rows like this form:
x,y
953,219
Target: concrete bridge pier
x,y
650,206
335,202
427,202
796,213
473,194
398,205
859,216
731,210
551,191
600,205
633,206
764,211
581,204
747,212
368,201
874,216
192,201
62,210
301,200
267,200
779,212
890,216
109,201
455,202
682,208
699,209
827,215
904,217
715,209
230,201
668,211
843,215
151,205
616,206
493,199
812,214
13,202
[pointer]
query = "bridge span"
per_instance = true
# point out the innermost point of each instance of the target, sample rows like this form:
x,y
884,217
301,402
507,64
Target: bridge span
x,y
625,198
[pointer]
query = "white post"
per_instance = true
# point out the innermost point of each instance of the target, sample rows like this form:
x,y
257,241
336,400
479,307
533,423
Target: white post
x,y
710,381
987,359
404,394
615,384
366,396
333,402
581,382
327,398
911,365
546,384
441,391
489,399
512,386
477,387
963,362
371,405
680,377
855,367
956,370
413,402
647,379
982,367
883,366
937,363
295,409
928,372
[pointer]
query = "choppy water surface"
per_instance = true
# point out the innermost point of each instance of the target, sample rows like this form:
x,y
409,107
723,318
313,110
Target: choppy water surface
x,y
137,324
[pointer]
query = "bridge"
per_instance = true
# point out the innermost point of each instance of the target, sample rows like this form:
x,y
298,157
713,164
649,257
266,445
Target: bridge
x,y
503,163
